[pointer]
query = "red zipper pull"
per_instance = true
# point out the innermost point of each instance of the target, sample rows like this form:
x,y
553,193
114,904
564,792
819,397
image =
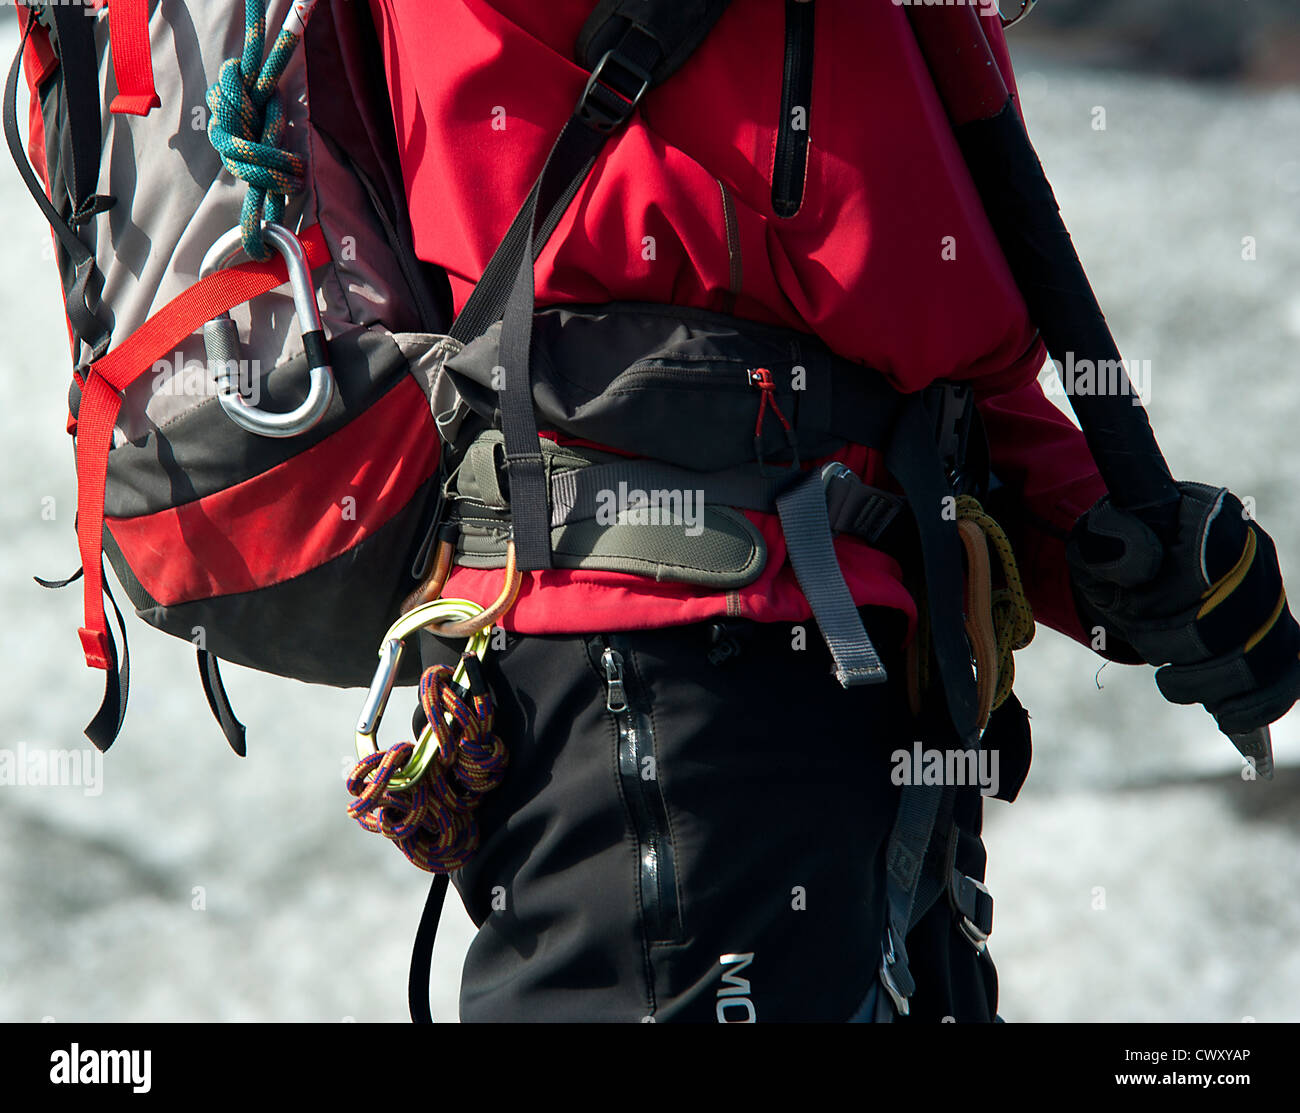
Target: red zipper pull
x,y
761,377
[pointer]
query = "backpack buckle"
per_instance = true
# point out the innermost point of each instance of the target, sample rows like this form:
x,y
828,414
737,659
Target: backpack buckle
x,y
973,903
951,407
613,91
894,974
221,340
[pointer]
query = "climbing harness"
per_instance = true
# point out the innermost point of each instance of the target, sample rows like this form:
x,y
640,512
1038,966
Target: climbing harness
x,y
221,339
248,122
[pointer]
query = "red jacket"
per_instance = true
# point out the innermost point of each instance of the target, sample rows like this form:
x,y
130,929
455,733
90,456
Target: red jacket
x,y
889,259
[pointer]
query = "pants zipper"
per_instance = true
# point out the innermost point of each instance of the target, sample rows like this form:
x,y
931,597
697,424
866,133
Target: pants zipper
x,y
789,168
639,777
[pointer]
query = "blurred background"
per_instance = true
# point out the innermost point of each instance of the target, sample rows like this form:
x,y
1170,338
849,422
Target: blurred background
x,y
1138,877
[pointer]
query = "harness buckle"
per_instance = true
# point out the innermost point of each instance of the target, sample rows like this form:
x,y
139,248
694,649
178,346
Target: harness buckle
x,y
893,962
606,104
973,903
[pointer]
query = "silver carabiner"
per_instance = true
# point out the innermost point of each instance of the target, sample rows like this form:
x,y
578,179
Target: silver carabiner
x,y
221,340
1026,6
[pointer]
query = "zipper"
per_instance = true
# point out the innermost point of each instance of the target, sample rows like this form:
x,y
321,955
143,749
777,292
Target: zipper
x,y
789,167
647,810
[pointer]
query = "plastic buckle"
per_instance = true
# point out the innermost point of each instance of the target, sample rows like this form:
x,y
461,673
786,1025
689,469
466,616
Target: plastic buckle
x,y
609,116
952,410
967,903
890,962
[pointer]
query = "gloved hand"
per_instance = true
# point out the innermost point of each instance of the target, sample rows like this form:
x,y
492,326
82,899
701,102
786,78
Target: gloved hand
x,y
1211,609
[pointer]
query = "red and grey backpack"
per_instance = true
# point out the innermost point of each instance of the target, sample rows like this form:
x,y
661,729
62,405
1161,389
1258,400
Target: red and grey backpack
x,y
258,461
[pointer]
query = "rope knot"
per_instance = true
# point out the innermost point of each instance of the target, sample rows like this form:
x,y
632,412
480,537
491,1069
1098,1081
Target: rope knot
x,y
247,126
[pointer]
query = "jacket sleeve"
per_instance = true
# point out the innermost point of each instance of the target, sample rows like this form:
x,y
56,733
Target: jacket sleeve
x,y
1049,480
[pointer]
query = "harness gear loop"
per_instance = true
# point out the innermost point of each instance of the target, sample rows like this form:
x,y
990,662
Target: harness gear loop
x,y
472,627
248,122
221,340
432,586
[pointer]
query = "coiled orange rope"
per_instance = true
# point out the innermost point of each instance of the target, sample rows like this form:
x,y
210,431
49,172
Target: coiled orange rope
x,y
432,821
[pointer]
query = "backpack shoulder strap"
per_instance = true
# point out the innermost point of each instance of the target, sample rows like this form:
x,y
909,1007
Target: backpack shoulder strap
x,y
648,41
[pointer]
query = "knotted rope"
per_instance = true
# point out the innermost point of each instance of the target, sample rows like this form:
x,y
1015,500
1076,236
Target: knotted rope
x,y
432,822
247,126
1013,618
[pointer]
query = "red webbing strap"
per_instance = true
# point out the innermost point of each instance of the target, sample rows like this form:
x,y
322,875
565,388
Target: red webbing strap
x,y
159,336
128,33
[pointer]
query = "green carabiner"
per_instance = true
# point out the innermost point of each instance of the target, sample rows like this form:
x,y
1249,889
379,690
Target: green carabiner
x,y
390,658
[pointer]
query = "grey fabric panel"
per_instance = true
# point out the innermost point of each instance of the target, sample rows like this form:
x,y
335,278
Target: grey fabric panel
x,y
580,494
728,552
711,546
202,451
174,199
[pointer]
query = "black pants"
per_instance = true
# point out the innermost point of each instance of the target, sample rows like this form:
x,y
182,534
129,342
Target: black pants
x,y
713,851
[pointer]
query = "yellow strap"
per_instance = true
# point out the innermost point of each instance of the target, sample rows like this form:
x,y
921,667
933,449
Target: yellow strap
x,y
1258,635
1226,586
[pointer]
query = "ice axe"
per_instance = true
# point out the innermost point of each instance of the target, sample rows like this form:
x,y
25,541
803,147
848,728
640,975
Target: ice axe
x,y
1022,209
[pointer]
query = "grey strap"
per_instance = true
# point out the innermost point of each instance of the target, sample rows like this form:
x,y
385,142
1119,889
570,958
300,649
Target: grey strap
x,y
807,531
852,506
923,811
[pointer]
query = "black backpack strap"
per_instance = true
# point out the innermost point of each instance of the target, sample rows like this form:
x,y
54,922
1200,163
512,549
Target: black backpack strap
x,y
87,327
417,984
678,28
83,141
104,728
219,703
650,39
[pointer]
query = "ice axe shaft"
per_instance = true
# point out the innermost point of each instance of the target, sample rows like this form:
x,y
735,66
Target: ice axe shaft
x,y
1022,208
1256,747
1026,219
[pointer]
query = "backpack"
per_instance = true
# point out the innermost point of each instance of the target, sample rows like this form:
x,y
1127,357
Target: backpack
x,y
259,466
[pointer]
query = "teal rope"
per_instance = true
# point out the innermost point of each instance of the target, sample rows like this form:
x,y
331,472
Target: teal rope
x,y
247,126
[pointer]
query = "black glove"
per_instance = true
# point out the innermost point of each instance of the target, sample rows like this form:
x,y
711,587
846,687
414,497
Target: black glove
x,y
1210,608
